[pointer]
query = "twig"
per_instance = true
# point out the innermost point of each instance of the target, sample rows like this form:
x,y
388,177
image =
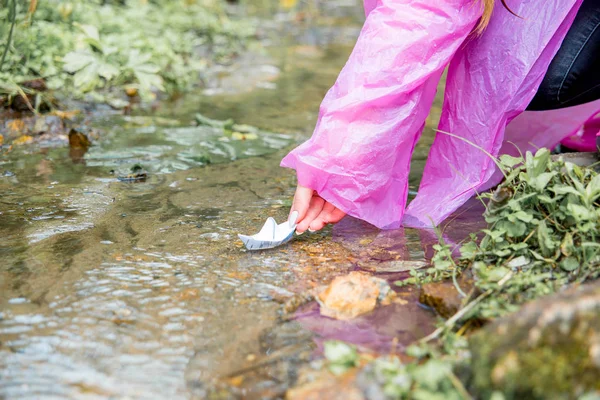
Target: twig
x,y
459,386
461,313
24,96
454,281
452,320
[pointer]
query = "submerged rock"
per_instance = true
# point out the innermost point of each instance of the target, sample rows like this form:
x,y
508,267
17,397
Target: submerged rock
x,y
352,295
443,296
138,174
550,349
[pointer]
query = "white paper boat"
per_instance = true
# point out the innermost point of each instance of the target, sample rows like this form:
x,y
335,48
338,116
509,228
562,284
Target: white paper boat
x,y
271,235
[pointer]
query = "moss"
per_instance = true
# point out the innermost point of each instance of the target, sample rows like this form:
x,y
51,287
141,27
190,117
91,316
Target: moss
x,y
544,351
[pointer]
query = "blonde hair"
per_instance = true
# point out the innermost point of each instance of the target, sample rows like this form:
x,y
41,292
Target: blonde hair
x,y
488,8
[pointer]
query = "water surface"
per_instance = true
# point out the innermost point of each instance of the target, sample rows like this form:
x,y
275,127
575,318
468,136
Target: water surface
x,y
141,290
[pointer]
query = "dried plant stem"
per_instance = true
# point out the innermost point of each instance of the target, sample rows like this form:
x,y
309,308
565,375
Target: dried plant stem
x,y
463,311
13,17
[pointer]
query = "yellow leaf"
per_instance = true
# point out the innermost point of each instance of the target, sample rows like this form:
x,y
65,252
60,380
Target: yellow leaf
x,y
288,3
25,139
66,114
16,126
65,10
131,91
244,136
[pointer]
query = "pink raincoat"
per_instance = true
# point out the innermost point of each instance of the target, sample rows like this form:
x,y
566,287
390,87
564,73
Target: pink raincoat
x,y
359,155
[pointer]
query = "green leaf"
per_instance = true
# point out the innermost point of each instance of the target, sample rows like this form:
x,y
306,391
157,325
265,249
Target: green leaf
x,y
145,72
540,161
581,213
89,31
567,247
570,264
593,188
566,189
468,250
432,373
107,71
496,274
88,69
337,352
546,242
546,199
520,215
416,351
510,161
215,123
540,182
519,262
513,228
338,369
87,79
77,60
497,396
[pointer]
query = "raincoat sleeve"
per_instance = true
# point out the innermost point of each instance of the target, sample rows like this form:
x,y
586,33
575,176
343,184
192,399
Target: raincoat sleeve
x,y
369,122
490,82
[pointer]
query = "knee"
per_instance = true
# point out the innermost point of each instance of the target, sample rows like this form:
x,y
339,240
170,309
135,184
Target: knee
x,y
547,96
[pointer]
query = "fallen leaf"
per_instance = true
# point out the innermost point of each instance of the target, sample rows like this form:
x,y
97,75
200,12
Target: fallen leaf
x,y
15,126
244,136
236,381
78,140
66,114
25,139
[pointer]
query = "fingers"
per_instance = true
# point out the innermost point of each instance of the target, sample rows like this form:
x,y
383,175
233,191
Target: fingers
x,y
329,215
314,213
301,202
314,209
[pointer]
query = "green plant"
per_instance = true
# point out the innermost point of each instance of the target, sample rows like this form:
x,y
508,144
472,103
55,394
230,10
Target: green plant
x,y
543,231
85,48
341,356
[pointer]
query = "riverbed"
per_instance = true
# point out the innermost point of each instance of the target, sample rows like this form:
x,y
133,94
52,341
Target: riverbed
x,y
141,290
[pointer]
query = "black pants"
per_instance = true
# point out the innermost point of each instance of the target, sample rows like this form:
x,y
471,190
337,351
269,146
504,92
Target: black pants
x,y
573,77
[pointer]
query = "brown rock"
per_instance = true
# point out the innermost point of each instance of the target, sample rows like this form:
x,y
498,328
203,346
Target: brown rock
x,y
35,84
352,295
328,387
296,301
581,159
443,296
23,103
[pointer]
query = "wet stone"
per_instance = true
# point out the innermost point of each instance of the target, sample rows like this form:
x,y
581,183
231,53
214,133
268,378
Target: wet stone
x,y
581,159
38,125
391,266
443,296
550,349
352,295
323,385
296,301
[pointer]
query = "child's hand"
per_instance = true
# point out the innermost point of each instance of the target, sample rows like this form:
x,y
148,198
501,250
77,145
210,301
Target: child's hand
x,y
313,212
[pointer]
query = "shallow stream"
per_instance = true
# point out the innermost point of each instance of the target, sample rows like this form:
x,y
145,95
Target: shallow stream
x,y
112,289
